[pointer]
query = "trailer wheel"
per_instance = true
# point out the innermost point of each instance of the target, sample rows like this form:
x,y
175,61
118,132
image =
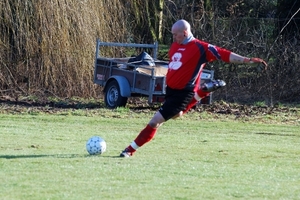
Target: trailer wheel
x,y
112,97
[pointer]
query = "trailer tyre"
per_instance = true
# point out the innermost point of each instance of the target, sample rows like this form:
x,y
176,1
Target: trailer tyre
x,y
112,97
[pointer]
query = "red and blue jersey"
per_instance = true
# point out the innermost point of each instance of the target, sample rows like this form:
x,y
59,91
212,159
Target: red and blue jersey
x,y
187,61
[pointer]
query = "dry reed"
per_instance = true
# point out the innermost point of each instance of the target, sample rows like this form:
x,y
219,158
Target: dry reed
x,y
47,47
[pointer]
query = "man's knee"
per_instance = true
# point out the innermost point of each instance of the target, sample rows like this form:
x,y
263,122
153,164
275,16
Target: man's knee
x,y
156,120
178,115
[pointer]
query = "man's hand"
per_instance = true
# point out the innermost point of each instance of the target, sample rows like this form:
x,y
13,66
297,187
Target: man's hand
x,y
259,60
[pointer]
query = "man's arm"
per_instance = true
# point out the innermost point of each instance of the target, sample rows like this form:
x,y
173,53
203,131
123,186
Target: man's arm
x,y
217,53
235,58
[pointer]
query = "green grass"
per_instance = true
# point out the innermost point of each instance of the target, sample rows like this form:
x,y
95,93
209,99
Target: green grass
x,y
43,156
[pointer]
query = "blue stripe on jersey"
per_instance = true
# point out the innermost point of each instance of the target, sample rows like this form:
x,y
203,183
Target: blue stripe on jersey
x,y
202,59
214,51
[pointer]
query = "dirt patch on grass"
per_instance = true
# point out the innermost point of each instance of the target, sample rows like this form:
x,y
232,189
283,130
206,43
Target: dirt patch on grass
x,y
11,105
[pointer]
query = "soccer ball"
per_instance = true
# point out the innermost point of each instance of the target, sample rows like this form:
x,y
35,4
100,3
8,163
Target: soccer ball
x,y
95,145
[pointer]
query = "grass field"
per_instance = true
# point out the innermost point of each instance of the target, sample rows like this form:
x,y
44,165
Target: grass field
x,y
43,156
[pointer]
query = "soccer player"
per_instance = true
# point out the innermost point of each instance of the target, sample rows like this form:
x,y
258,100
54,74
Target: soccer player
x,y
188,56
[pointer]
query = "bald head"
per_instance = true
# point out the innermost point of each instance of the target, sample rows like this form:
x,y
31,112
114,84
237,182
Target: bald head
x,y
181,30
182,25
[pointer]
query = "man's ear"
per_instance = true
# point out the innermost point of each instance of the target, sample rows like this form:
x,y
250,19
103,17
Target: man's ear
x,y
185,33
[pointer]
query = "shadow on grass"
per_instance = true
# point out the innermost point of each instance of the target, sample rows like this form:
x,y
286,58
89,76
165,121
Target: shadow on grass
x,y
53,156
61,104
277,134
42,155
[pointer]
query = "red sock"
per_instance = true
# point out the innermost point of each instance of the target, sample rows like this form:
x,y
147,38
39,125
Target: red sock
x,y
200,94
191,104
130,149
145,135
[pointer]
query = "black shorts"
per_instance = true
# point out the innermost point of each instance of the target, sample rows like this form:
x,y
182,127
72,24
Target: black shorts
x,y
175,101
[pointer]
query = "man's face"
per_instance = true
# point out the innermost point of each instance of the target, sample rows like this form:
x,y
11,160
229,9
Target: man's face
x,y
178,35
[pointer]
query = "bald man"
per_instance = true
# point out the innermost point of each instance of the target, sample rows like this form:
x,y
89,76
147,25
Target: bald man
x,y
188,56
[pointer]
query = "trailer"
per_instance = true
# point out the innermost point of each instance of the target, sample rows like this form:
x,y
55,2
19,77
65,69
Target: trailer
x,y
122,78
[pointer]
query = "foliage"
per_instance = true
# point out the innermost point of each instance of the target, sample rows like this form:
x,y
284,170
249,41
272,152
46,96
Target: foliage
x,y
47,48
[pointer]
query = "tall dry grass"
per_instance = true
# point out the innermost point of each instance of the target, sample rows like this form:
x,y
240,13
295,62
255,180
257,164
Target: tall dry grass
x,y
48,46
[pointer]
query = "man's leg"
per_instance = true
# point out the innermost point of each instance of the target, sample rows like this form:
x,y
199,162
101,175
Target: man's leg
x,y
145,135
200,94
204,91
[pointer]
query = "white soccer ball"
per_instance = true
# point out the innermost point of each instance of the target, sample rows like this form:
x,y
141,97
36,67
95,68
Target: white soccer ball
x,y
95,145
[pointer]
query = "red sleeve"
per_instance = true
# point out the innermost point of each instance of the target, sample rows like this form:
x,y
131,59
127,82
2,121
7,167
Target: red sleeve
x,y
217,53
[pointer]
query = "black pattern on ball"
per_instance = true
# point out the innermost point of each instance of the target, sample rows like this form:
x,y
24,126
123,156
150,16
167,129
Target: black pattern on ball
x,y
95,145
